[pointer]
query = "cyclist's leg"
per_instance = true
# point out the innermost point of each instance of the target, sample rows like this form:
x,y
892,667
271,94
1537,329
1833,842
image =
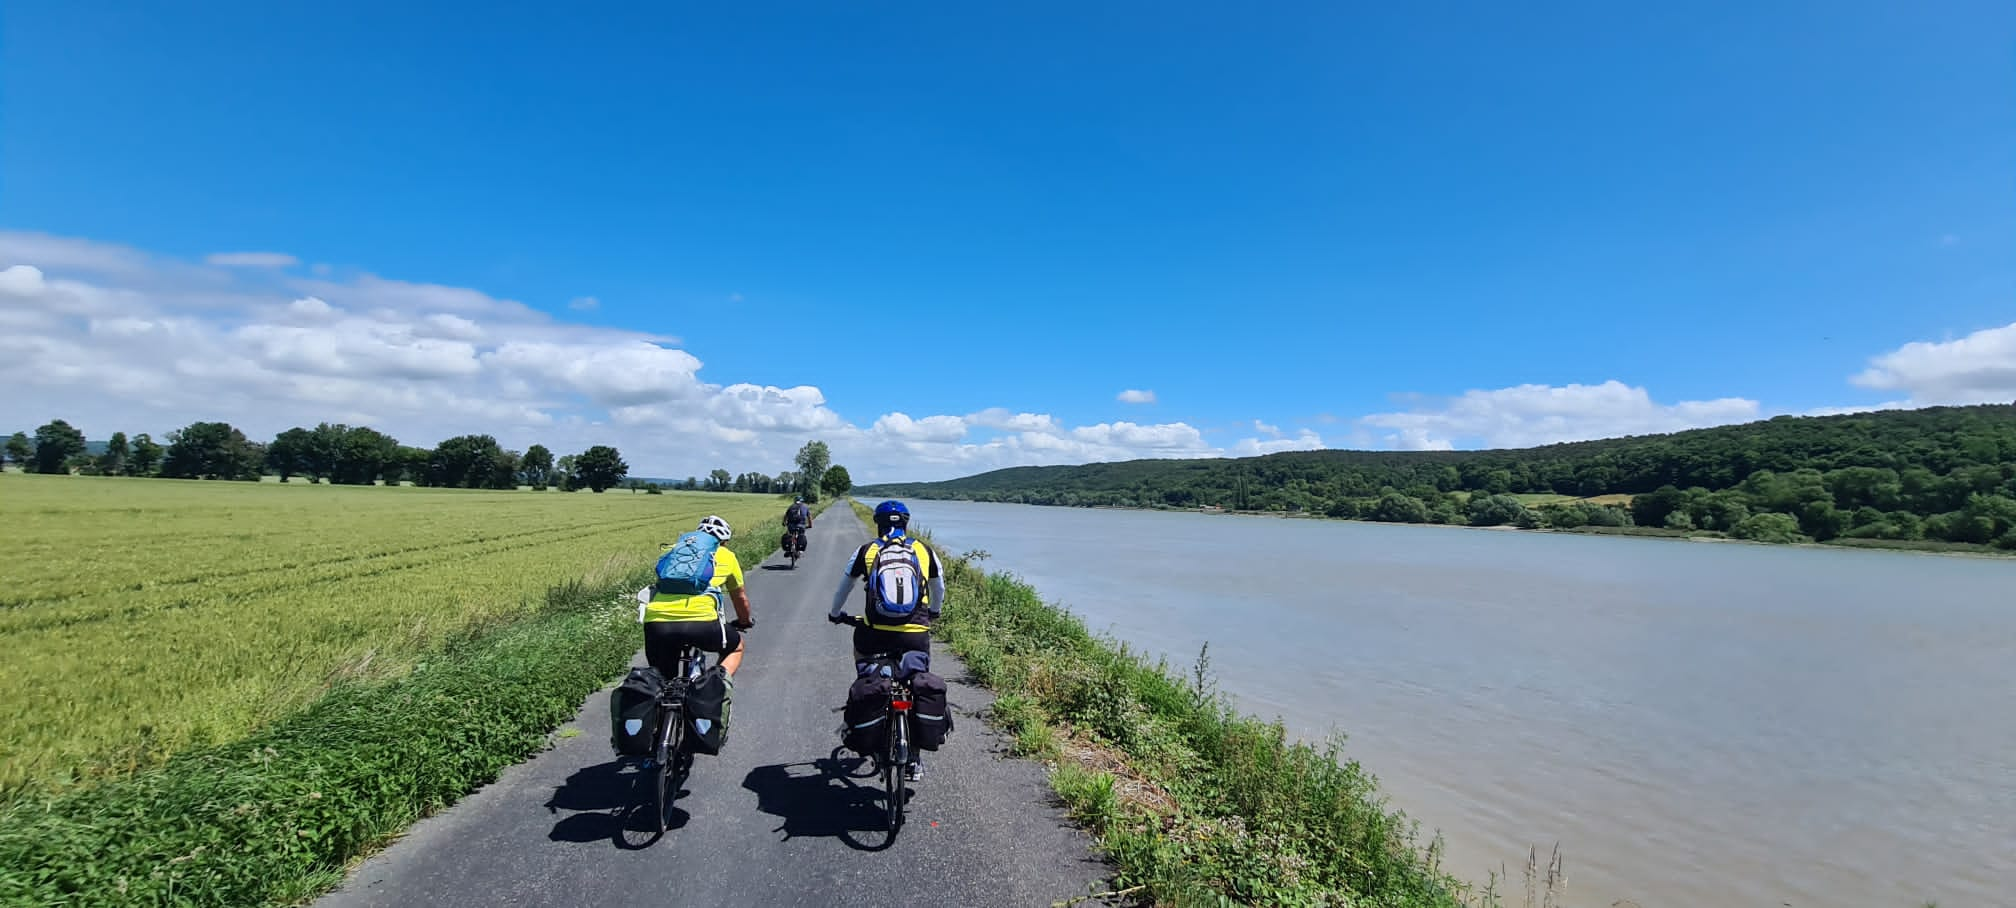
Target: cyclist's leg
x,y
730,647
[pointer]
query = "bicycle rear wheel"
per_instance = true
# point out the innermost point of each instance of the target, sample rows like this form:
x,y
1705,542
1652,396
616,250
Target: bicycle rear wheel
x,y
670,754
894,766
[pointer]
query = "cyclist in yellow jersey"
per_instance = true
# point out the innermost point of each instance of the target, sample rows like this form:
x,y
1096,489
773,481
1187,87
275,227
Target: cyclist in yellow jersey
x,y
672,621
872,632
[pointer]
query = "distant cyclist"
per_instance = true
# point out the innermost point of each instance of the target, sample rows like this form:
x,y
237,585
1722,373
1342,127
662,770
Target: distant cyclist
x,y
673,620
798,519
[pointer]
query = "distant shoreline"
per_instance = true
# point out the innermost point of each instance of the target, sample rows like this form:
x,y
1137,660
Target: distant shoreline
x,y
1901,546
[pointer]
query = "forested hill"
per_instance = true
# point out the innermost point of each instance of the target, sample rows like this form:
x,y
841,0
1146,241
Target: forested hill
x,y
1877,473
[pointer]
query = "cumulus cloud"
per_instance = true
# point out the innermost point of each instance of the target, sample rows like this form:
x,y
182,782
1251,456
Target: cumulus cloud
x,y
1276,442
584,304
252,260
1132,396
1528,415
1978,368
21,280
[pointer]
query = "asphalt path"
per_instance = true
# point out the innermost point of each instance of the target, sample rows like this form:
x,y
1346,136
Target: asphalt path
x,y
780,817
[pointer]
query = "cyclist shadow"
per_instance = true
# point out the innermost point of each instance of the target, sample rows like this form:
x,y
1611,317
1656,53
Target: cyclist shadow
x,y
609,801
824,797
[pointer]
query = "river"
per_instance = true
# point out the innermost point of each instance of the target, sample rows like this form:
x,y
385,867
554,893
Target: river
x,y
1695,724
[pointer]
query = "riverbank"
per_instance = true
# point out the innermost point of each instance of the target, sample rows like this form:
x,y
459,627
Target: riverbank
x,y
1909,546
1195,803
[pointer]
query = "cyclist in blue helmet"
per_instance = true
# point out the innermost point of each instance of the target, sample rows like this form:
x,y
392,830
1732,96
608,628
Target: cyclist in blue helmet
x,y
904,583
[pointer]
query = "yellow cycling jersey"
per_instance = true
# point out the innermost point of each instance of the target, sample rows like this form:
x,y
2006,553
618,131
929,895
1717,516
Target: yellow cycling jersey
x,y
704,607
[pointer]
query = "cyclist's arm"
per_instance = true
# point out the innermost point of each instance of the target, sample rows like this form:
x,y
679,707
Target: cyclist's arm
x,y
740,597
840,595
937,595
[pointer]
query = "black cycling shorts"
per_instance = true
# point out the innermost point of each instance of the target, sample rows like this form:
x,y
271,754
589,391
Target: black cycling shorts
x,y
663,640
869,641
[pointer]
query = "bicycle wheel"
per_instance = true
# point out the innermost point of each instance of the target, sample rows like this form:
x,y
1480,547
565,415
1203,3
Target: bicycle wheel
x,y
894,767
670,740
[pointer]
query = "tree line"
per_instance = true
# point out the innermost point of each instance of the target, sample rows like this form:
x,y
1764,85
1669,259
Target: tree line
x,y
1943,473
359,455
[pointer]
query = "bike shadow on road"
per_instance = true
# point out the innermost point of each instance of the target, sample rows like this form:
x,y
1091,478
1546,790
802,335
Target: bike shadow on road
x,y
608,801
823,797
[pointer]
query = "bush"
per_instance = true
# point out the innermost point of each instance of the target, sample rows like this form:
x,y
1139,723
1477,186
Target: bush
x,y
1769,528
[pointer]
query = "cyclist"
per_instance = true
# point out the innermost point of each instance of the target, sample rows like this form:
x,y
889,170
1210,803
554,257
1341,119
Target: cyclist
x,y
798,519
878,633
672,620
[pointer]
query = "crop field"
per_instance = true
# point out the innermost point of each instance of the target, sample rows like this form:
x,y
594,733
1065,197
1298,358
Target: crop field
x,y
141,616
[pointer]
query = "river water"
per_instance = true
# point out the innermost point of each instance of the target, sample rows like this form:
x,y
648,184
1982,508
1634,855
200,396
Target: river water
x,y
1695,724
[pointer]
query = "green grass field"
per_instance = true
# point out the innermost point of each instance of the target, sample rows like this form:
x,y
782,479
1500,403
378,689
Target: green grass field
x,y
141,616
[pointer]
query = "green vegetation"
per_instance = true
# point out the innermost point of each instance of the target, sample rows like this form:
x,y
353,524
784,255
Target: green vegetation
x,y
1945,474
1196,804
274,817
141,618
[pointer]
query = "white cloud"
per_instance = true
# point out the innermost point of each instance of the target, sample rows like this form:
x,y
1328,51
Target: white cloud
x,y
584,304
1978,368
1529,415
21,280
1303,440
930,428
252,260
999,418
1132,396
1271,431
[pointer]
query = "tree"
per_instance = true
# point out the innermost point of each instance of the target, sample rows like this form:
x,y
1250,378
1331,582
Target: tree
x,y
1394,507
117,453
601,467
836,481
288,454
812,460
1496,510
211,450
18,450
718,480
55,443
146,455
566,477
470,462
536,467
1768,528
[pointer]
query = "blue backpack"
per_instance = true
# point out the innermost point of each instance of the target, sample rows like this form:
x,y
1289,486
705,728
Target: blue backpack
x,y
688,567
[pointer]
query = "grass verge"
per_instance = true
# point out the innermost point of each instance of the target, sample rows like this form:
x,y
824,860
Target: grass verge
x,y
274,818
1195,803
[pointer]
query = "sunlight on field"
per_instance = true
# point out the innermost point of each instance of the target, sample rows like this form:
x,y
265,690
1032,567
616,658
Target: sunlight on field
x,y
139,616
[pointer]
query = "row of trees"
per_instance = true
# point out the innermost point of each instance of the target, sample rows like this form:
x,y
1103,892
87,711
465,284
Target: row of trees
x,y
333,453
1941,473
359,455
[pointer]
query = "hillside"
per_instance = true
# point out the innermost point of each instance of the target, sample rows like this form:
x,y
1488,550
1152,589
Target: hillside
x,y
1901,474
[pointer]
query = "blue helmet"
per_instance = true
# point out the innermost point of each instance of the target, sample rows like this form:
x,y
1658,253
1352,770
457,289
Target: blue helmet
x,y
891,515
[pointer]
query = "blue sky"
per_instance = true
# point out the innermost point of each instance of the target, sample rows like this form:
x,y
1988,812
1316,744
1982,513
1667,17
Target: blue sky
x,y
1298,224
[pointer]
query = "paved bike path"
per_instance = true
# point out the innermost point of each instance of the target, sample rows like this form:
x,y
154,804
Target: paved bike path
x,y
771,821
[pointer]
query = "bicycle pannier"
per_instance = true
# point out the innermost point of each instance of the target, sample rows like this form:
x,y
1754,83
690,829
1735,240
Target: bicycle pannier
x,y
867,729
633,712
707,712
930,712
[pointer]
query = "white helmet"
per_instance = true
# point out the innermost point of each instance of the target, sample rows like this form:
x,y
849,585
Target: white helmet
x,y
716,527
